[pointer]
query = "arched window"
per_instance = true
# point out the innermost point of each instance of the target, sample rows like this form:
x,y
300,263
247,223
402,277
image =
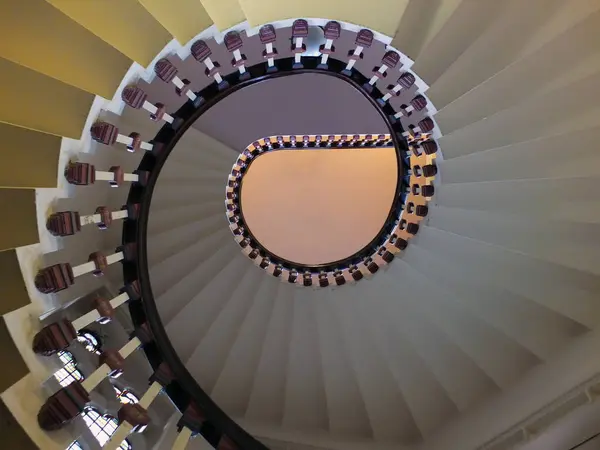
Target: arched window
x,y
125,395
102,426
90,341
69,372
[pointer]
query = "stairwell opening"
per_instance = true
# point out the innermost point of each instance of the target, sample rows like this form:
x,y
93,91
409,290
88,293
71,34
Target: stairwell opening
x,y
318,206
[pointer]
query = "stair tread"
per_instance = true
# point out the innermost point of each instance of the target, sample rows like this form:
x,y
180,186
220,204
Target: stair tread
x,y
221,335
481,342
535,326
520,274
548,114
427,399
189,325
449,364
233,387
560,242
546,198
346,409
266,401
305,405
511,30
388,414
171,271
179,238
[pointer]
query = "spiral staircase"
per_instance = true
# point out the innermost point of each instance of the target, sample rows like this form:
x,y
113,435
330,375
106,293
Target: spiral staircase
x,y
468,318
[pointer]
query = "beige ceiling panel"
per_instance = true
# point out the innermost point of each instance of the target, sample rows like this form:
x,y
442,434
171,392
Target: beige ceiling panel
x,y
32,100
224,13
421,21
38,36
381,15
184,19
126,25
20,226
13,293
33,158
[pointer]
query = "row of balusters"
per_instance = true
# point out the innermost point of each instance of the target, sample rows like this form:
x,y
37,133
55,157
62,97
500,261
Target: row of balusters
x,y
61,276
418,180
136,98
69,402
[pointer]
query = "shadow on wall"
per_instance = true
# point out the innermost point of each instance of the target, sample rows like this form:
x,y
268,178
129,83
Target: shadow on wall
x,y
267,109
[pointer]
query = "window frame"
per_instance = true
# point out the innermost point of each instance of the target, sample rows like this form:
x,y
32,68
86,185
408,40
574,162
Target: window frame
x,y
69,373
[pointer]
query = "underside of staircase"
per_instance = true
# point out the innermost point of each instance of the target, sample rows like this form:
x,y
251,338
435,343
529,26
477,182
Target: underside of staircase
x,y
468,319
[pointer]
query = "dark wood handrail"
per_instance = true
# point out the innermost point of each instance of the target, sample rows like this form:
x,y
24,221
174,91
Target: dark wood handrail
x,y
185,388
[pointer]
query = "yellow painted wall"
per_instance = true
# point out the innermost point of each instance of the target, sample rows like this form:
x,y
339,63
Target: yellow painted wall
x,y
37,35
30,158
184,19
32,100
19,226
124,24
13,436
378,15
224,13
13,294
13,366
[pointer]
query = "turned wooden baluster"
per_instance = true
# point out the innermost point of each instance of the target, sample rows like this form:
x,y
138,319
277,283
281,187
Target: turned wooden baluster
x,y
167,72
364,39
67,223
332,31
108,134
201,53
133,416
84,174
58,335
70,401
299,32
60,276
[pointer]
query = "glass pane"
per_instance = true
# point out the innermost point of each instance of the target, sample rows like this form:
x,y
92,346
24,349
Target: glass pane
x,y
65,357
92,413
69,372
103,438
111,427
61,374
101,426
75,446
63,377
95,429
